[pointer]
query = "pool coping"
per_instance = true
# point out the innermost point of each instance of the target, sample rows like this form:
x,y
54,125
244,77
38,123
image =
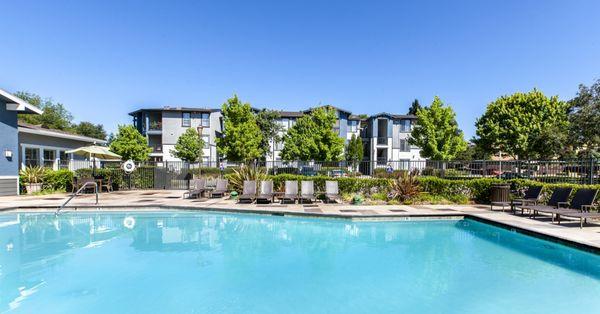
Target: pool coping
x,y
588,247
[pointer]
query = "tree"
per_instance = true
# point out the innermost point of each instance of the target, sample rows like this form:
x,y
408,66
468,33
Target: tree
x,y
313,138
130,144
241,135
584,120
436,132
55,115
520,125
91,130
189,146
414,107
354,151
269,128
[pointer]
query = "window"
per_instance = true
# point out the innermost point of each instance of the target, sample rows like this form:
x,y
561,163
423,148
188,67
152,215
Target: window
x,y
353,126
186,119
404,146
205,120
206,139
404,125
32,157
49,158
63,159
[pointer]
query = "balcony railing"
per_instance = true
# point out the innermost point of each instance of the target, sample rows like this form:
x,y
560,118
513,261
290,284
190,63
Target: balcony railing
x,y
155,126
382,141
156,148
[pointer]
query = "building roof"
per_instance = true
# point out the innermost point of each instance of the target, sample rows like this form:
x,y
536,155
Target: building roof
x,y
394,116
182,109
38,130
328,106
14,103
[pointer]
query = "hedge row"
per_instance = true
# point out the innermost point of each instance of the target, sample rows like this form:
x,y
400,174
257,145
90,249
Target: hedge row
x,y
346,185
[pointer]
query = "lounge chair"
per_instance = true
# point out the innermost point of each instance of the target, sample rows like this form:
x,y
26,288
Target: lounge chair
x,y
332,192
197,187
266,192
291,192
307,194
221,188
579,207
531,197
249,192
559,195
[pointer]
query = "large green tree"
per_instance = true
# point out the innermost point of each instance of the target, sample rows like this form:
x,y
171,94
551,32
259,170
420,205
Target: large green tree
x,y
354,151
189,146
242,137
436,132
585,120
313,138
130,144
522,124
91,130
269,128
55,115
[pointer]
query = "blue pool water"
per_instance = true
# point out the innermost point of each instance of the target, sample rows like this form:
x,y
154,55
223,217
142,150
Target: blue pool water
x,y
183,262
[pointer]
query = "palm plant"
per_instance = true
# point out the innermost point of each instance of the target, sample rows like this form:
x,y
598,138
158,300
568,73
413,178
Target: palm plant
x,y
32,177
405,186
245,173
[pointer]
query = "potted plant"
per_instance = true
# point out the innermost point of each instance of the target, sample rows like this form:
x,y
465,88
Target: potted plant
x,y
32,177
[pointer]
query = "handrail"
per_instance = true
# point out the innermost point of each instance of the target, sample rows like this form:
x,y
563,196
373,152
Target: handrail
x,y
77,193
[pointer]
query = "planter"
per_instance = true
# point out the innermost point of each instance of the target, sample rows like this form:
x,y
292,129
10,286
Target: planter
x,y
33,188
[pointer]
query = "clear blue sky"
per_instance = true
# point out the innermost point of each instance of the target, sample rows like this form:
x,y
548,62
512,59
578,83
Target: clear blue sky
x,y
107,58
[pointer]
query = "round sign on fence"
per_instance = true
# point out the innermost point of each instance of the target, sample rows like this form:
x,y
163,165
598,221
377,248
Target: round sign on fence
x,y
128,166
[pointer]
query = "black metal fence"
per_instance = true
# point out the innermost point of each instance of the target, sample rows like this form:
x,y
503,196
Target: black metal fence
x,y
176,174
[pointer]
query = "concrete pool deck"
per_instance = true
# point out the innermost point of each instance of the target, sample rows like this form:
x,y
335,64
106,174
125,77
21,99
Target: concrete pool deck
x,y
568,231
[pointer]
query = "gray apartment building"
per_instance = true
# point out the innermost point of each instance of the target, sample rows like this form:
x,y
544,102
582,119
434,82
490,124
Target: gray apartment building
x,y
163,126
384,135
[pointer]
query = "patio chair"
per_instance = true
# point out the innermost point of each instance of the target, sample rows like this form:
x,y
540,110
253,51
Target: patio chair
x,y
248,193
531,197
106,184
221,188
266,192
332,192
581,203
559,195
79,182
308,192
291,192
197,187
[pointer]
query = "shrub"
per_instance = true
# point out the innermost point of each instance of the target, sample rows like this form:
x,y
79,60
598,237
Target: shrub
x,y
382,173
348,185
58,180
237,178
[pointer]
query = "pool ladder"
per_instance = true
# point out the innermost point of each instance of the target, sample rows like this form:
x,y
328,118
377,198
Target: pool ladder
x,y
77,193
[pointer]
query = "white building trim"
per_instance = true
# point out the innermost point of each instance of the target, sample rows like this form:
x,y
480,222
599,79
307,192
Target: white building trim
x,y
15,103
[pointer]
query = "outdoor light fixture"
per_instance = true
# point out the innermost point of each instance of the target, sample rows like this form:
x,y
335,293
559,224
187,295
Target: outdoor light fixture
x,y
8,153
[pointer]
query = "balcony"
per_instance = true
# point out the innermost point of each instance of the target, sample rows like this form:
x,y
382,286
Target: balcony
x,y
154,127
382,141
156,148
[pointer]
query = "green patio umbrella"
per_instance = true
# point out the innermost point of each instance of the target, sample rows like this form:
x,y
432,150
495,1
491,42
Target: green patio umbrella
x,y
99,152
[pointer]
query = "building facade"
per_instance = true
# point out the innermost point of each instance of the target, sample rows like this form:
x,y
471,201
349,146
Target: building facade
x,y
385,136
48,148
162,127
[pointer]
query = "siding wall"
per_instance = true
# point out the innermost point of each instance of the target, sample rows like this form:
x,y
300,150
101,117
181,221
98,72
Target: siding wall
x,y
9,167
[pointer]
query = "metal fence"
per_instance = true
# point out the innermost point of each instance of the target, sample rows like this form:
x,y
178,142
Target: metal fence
x,y
176,174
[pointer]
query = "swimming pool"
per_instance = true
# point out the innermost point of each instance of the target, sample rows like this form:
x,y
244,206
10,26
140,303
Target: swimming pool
x,y
234,263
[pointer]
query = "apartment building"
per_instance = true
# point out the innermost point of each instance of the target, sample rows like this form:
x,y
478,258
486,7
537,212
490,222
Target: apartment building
x,y
384,135
163,126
